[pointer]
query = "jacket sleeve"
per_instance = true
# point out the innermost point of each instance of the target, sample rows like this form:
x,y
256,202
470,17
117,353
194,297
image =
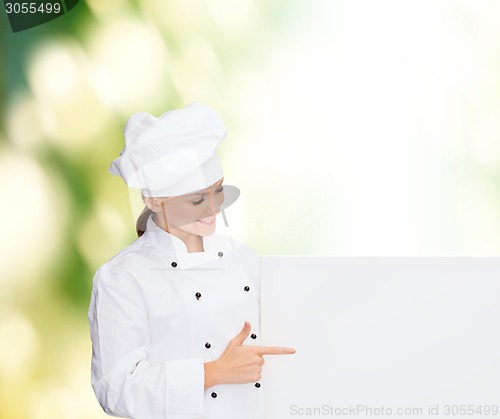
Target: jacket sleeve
x,y
125,382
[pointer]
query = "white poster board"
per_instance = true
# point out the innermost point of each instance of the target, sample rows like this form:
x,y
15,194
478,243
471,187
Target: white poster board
x,y
382,337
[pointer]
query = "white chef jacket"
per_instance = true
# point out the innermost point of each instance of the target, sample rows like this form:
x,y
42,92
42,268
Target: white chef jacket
x,y
157,313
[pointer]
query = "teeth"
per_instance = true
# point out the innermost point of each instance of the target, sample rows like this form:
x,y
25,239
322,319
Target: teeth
x,y
209,221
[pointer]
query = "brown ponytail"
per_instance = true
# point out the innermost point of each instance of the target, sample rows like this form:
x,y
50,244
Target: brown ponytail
x,y
140,225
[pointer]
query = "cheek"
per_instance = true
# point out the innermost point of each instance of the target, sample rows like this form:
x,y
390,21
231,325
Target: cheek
x,y
184,214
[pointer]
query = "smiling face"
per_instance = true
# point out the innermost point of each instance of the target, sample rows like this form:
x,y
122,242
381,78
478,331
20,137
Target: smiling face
x,y
189,215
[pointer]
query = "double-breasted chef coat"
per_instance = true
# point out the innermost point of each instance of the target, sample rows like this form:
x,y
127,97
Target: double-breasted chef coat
x,y
157,313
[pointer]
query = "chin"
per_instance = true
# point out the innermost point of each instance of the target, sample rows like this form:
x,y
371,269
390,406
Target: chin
x,y
205,231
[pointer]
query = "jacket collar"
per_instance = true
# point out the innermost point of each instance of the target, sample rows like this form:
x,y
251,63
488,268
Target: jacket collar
x,y
175,251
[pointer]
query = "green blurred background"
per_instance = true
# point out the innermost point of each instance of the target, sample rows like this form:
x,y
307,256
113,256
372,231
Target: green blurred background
x,y
355,128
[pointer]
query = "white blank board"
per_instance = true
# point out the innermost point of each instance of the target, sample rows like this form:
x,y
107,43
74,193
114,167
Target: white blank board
x,y
382,333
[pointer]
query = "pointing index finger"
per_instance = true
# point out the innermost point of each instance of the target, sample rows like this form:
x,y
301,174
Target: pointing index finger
x,y
274,350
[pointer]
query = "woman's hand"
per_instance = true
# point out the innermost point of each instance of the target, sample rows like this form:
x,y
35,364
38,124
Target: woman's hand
x,y
240,364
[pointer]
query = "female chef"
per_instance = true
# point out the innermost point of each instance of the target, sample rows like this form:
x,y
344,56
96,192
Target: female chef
x,y
174,317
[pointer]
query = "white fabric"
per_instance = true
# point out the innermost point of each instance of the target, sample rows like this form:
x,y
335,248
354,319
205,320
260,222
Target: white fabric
x,y
149,329
172,155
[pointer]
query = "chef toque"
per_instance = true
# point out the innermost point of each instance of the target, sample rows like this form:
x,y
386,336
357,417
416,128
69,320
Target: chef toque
x,y
174,154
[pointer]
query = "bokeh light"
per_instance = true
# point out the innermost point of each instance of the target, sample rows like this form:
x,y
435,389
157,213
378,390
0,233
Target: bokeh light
x,y
234,19
24,108
132,62
35,211
71,114
19,359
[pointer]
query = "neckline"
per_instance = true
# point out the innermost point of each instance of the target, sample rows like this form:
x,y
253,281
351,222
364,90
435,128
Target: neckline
x,y
172,249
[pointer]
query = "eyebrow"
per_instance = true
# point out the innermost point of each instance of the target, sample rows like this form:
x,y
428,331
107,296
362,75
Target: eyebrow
x,y
206,193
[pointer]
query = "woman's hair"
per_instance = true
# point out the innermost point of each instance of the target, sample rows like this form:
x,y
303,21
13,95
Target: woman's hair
x,y
140,225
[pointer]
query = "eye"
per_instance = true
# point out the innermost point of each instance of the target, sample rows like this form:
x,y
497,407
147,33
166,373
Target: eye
x,y
200,201
220,189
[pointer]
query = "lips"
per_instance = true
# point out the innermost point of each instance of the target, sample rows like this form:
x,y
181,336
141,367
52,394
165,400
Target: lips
x,y
207,221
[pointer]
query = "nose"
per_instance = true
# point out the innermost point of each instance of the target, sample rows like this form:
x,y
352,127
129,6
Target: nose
x,y
214,205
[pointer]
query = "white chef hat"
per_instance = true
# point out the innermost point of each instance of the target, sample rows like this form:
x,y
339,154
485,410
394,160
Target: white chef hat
x,y
172,155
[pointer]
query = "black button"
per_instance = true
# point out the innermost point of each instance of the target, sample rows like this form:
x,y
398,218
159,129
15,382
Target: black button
x,y
247,288
257,385
214,394
197,295
220,254
173,264
207,345
253,336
